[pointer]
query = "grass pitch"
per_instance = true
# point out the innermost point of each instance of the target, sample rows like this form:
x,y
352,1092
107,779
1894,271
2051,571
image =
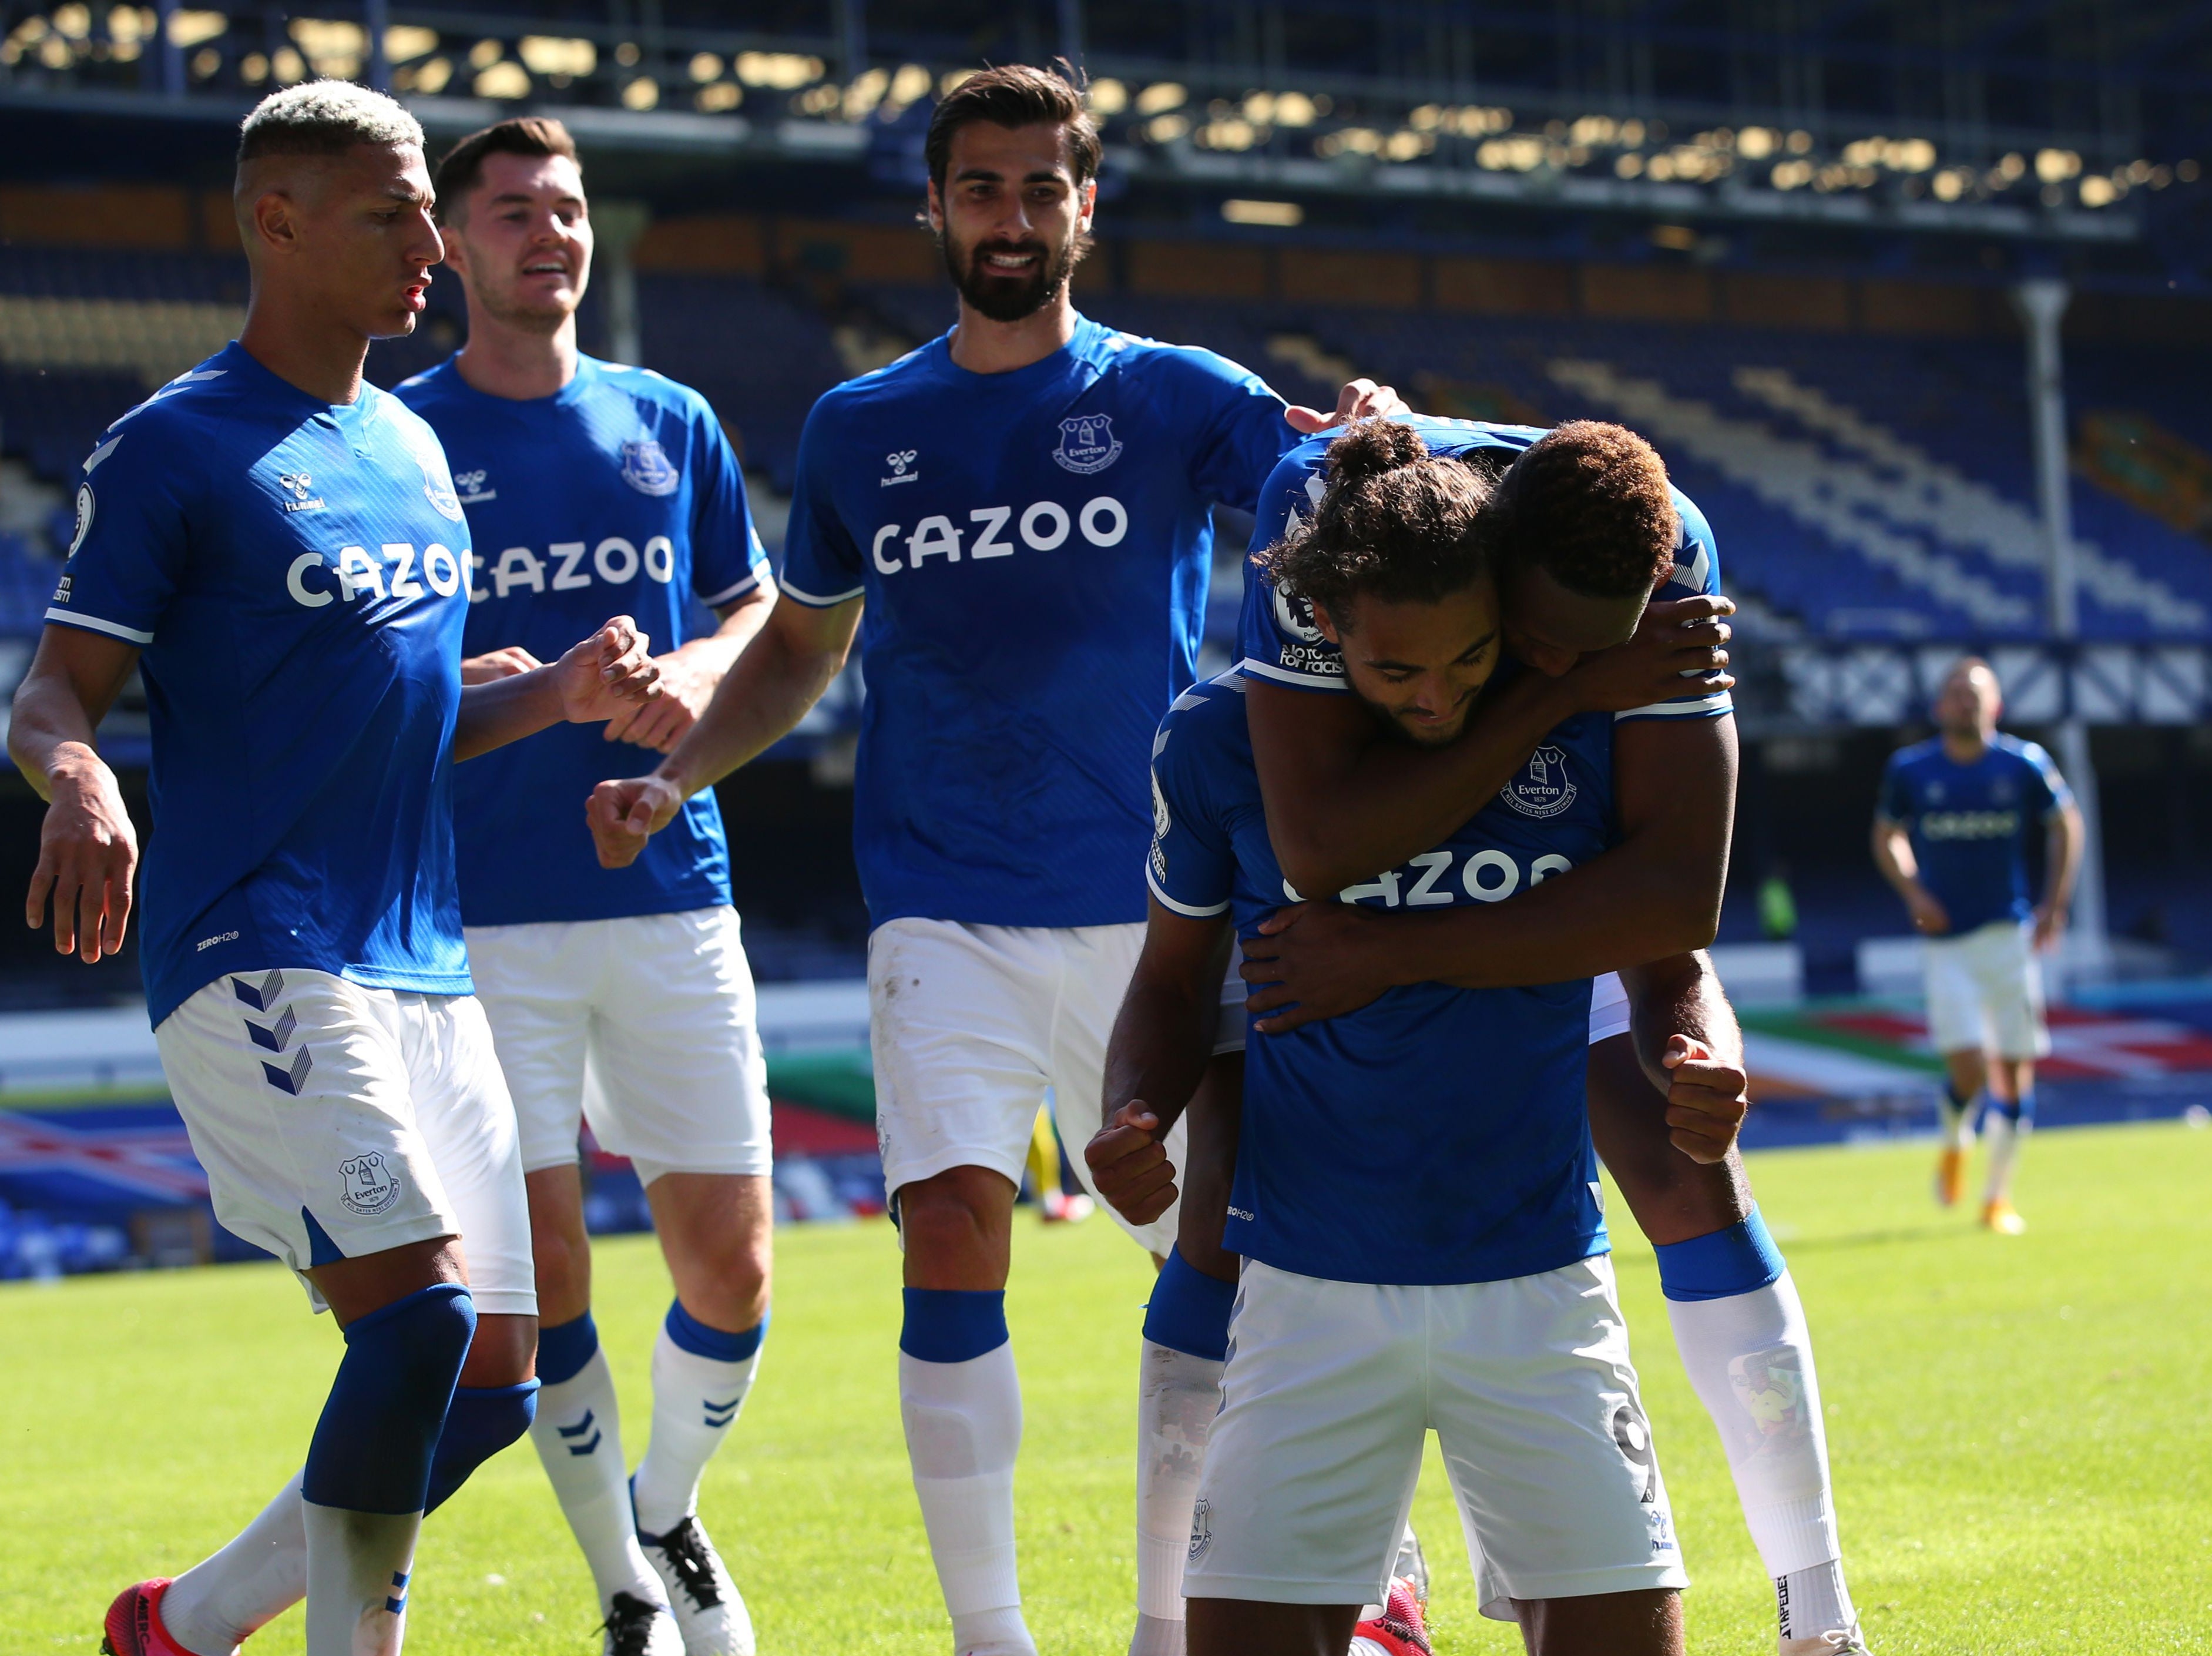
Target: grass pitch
x,y
2017,1425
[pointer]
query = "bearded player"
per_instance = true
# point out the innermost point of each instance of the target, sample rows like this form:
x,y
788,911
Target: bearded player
x,y
588,484
276,548
1023,509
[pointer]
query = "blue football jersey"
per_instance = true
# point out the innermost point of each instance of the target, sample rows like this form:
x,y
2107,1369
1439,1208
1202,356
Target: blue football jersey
x,y
1969,823
1276,634
1437,1134
295,576
1034,548
618,495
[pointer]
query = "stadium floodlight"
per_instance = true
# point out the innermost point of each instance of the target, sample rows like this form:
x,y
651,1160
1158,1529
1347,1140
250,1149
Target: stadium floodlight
x,y
1160,97
188,29
1281,215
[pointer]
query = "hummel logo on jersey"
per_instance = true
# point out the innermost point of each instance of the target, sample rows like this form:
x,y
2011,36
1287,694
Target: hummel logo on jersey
x,y
1087,443
296,484
901,463
647,468
1544,790
1044,527
470,486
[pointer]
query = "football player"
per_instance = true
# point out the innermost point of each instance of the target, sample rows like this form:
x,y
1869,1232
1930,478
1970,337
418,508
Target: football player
x,y
1414,1197
1022,510
277,550
1951,836
606,485
1585,528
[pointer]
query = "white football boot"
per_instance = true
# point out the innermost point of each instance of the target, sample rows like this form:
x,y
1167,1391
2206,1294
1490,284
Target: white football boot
x,y
703,1598
635,1628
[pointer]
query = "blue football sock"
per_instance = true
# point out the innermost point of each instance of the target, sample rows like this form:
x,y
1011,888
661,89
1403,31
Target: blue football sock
x,y
482,1420
952,1325
563,1349
373,1447
1189,1310
1723,1264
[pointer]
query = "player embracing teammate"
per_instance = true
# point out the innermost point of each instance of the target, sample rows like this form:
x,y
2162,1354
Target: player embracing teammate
x,y
1389,570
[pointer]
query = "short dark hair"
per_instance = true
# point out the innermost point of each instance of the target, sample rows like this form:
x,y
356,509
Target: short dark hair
x,y
461,169
1012,95
1393,520
1589,503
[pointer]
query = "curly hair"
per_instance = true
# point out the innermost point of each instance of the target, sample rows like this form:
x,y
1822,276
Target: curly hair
x,y
1393,520
1589,503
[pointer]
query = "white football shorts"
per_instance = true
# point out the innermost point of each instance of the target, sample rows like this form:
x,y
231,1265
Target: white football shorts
x,y
1329,1395
336,1121
1608,1012
1985,992
642,1025
969,1025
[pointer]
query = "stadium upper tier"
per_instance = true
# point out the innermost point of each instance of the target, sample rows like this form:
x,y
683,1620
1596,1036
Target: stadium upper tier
x,y
1862,486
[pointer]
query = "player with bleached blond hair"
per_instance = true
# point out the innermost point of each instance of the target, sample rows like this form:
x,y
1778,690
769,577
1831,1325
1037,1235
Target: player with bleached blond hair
x,y
276,548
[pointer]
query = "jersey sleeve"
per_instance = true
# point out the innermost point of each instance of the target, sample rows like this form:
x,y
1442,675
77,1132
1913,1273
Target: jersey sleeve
x,y
128,556
1276,638
2053,796
1697,572
1239,431
821,561
727,558
1895,799
1192,866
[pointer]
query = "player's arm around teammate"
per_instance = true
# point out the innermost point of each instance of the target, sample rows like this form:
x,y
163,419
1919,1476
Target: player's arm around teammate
x,y
1572,584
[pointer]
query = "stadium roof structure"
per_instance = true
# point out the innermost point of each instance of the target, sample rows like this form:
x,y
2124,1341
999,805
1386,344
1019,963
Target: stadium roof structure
x,y
1992,137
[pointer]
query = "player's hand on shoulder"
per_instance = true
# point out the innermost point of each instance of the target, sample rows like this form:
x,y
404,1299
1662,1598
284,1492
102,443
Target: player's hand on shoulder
x,y
687,684
1316,960
1130,1165
1707,1099
625,812
610,670
1680,649
87,852
1360,399
503,663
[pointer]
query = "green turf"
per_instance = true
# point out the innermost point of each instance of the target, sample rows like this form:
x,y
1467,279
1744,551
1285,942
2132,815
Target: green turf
x,y
2018,1429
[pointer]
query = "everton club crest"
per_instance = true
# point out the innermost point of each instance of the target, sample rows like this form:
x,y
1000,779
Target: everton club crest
x,y
647,468
1544,790
1087,443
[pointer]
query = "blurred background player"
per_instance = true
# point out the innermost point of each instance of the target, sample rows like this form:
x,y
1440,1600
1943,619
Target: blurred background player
x,y
1950,834
1024,508
304,963
602,487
